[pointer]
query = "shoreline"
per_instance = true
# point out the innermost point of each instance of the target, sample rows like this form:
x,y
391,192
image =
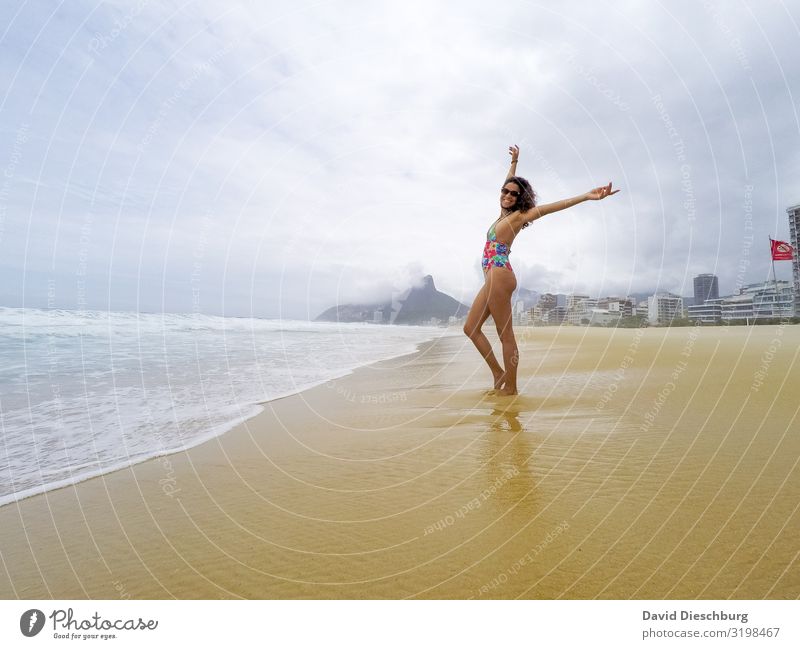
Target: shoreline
x,y
440,491
257,407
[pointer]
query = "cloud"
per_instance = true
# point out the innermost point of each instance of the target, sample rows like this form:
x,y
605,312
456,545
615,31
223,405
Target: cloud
x,y
335,147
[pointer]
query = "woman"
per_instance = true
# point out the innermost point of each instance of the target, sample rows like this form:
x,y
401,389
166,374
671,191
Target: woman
x,y
517,210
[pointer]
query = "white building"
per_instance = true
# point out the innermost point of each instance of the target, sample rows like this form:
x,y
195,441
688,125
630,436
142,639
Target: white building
x,y
577,302
794,238
523,318
604,316
578,308
550,308
762,300
663,307
577,317
709,311
772,299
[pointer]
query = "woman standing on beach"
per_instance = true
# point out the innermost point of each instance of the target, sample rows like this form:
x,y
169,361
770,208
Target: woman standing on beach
x,y
517,210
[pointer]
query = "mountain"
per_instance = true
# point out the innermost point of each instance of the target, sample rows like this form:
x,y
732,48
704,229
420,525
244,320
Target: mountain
x,y
415,306
426,302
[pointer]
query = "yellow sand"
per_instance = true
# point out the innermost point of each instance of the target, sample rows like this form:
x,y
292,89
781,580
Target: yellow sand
x,y
659,463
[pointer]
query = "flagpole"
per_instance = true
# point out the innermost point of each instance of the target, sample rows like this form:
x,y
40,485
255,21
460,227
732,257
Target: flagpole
x,y
774,279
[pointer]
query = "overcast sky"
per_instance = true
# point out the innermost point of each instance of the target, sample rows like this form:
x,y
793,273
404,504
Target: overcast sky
x,y
271,158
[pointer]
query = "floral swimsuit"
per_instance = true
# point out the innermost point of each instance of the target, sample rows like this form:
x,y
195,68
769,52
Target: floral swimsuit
x,y
495,253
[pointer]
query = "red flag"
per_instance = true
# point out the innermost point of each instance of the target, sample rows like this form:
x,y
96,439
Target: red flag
x,y
781,251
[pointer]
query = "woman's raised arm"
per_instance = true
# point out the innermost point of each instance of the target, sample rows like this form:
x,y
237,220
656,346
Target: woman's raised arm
x,y
513,151
596,194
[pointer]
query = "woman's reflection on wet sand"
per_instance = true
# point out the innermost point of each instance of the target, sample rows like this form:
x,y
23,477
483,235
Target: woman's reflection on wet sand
x,y
508,455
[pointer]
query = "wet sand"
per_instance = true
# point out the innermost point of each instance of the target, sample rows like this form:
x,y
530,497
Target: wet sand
x,y
646,464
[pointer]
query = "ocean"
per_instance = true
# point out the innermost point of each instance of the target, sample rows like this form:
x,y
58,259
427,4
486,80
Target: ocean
x,y
83,393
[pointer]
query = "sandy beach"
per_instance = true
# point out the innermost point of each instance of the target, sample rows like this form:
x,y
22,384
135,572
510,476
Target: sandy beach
x,y
646,464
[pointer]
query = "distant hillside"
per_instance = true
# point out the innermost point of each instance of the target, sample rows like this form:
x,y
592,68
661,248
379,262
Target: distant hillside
x,y
355,313
528,297
415,306
426,302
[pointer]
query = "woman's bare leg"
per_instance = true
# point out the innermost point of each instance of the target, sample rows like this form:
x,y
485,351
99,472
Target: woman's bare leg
x,y
478,314
502,284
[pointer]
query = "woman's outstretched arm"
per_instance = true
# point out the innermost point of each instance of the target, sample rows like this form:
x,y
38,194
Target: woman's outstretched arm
x,y
538,212
514,153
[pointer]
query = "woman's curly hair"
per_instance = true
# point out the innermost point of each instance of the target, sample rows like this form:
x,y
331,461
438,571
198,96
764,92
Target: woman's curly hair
x,y
527,199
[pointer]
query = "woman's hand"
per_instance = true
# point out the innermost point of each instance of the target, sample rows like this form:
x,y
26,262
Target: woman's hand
x,y
513,151
600,193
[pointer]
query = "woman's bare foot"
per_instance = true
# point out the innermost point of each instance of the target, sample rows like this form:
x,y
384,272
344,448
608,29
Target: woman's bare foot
x,y
499,379
506,392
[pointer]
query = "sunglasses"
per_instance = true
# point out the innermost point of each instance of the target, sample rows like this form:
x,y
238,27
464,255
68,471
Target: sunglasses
x,y
505,191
